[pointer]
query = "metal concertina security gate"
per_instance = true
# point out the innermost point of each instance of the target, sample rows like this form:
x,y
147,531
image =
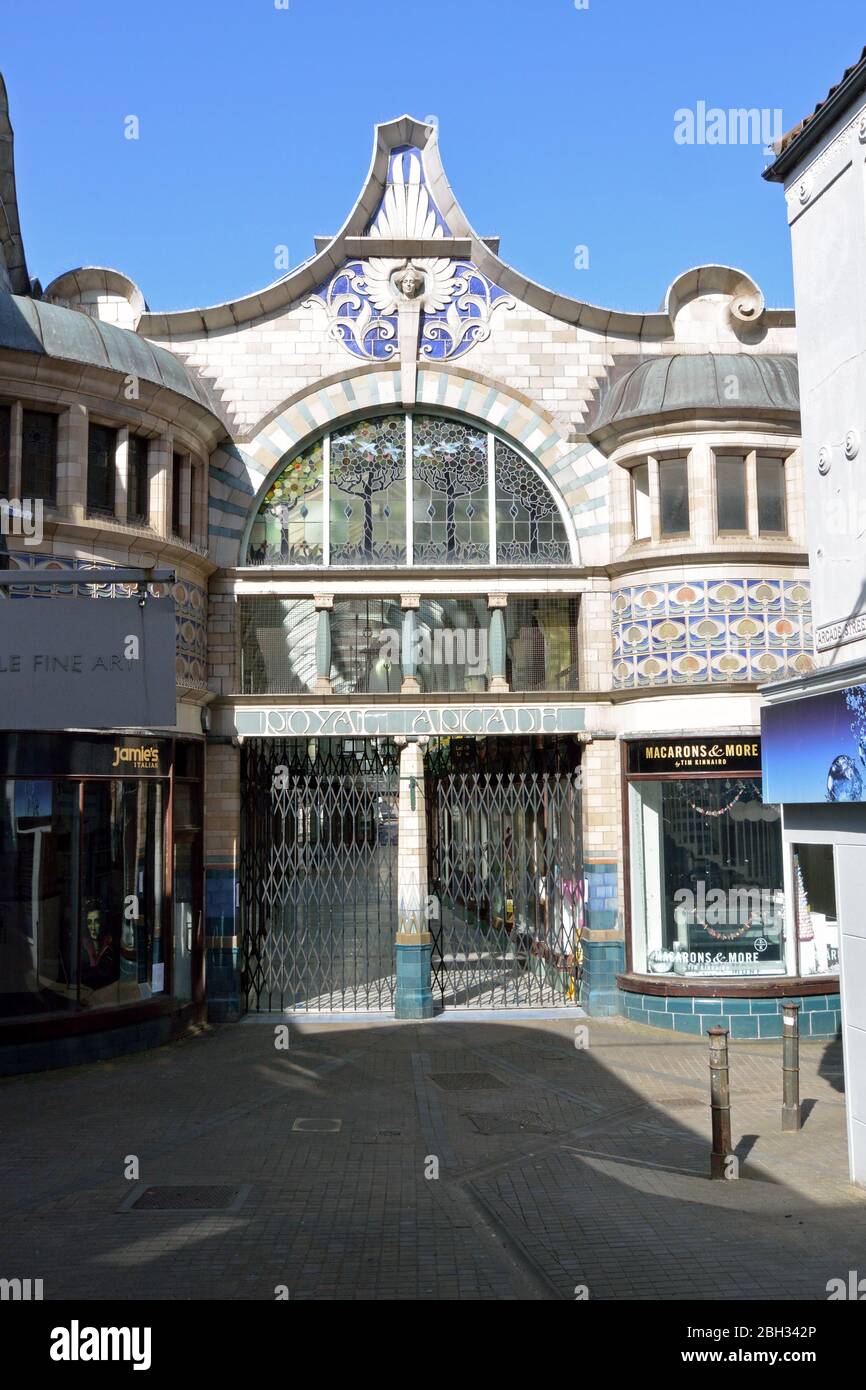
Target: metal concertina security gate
x,y
506,873
318,873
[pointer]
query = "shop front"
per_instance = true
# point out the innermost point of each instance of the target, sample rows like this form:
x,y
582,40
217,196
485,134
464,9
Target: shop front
x,y
100,894
725,917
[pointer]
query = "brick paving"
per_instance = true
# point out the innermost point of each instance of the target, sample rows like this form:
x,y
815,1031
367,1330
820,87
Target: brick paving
x,y
558,1168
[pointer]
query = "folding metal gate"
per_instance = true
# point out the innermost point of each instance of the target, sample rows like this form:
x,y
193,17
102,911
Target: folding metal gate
x,y
318,873
506,872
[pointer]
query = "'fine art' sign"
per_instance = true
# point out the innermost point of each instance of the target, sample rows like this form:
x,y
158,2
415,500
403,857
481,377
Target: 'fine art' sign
x,y
368,721
87,663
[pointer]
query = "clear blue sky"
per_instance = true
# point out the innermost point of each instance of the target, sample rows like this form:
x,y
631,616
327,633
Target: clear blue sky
x,y
556,129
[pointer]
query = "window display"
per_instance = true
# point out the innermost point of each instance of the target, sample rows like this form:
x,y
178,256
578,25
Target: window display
x,y
707,880
815,910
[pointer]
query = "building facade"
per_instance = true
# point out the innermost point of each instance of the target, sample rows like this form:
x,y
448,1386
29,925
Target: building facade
x,y
815,747
488,579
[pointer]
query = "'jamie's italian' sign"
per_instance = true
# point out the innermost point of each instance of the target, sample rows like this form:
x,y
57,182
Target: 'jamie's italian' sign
x,y
734,753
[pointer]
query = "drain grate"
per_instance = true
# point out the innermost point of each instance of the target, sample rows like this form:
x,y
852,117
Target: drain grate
x,y
216,1197
466,1081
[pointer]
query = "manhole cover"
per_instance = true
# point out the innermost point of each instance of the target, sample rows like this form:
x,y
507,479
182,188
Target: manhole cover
x,y
312,1126
511,1124
390,1133
466,1081
186,1198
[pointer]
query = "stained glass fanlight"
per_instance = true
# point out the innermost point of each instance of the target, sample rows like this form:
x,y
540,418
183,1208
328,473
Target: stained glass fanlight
x,y
420,489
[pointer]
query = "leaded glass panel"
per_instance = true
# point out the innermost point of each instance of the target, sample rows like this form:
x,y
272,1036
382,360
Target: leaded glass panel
x,y
288,529
368,493
529,529
449,486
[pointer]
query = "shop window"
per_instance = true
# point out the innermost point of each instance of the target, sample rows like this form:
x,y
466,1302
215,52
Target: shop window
x,y
101,470
771,495
39,456
542,642
815,910
137,486
673,497
707,893
121,956
731,507
5,435
641,511
81,894
38,867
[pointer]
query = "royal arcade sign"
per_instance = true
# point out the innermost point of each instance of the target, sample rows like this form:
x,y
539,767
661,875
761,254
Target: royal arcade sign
x,y
368,721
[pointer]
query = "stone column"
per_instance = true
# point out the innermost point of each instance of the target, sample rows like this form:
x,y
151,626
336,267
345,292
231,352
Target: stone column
x,y
496,603
414,948
72,462
159,465
323,605
16,423
410,684
121,465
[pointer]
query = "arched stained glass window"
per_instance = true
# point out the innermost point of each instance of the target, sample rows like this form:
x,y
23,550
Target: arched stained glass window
x,y
529,529
289,527
368,493
405,489
449,489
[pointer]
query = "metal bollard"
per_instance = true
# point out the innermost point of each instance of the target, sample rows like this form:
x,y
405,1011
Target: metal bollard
x,y
790,1068
720,1102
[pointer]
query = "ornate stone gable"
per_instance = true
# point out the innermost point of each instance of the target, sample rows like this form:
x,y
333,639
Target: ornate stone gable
x,y
447,304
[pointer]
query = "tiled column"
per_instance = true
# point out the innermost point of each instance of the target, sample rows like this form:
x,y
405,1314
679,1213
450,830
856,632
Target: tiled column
x,y
496,604
603,937
414,995
323,605
595,638
221,848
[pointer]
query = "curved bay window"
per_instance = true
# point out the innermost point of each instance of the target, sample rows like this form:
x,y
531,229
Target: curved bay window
x,y
409,489
707,894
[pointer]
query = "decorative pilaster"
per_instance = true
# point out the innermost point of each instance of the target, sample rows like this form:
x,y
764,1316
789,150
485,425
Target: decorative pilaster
x,y
410,684
414,945
323,605
496,604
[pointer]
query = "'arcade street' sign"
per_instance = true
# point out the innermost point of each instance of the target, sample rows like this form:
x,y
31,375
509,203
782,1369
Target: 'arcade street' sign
x,y
75,663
